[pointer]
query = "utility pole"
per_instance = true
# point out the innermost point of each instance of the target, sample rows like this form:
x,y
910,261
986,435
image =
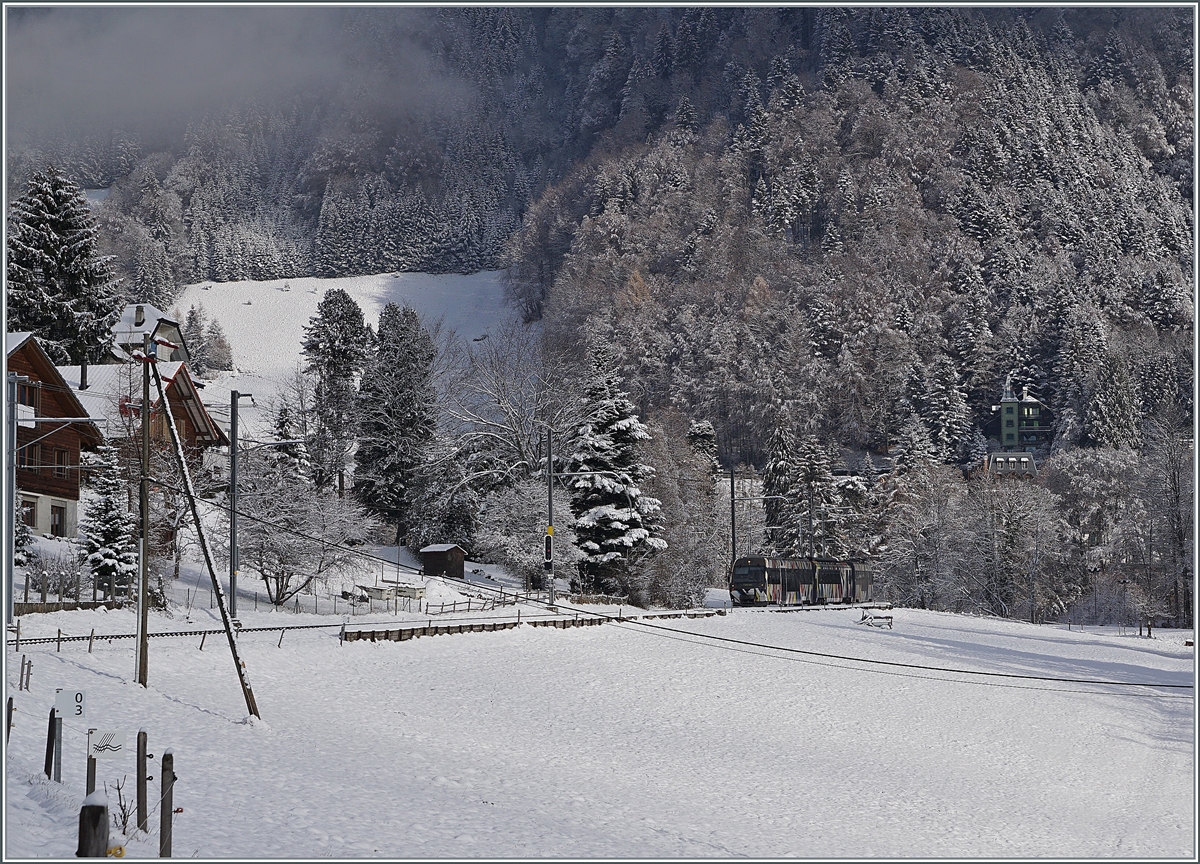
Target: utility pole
x,y
234,396
10,494
732,513
550,512
143,671
218,594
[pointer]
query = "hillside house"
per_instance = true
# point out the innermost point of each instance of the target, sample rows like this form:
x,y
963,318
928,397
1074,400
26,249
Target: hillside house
x,y
47,453
1023,422
1010,464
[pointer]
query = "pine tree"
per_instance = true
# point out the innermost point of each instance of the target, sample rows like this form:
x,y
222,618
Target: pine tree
x,y
336,344
396,417
109,530
615,524
58,285
220,355
196,339
913,446
946,411
779,481
22,541
1115,409
819,514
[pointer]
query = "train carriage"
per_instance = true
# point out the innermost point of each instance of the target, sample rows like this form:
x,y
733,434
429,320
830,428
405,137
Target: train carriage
x,y
761,580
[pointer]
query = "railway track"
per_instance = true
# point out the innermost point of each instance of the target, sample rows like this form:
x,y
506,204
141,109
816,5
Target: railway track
x,y
386,633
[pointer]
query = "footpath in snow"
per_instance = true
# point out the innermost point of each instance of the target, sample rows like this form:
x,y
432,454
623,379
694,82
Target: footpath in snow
x,y
635,740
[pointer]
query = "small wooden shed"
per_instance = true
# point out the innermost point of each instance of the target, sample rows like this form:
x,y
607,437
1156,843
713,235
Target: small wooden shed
x,y
444,559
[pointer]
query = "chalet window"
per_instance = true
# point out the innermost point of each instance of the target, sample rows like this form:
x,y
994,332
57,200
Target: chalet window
x,y
58,520
27,394
62,462
1008,423
1008,409
29,512
27,457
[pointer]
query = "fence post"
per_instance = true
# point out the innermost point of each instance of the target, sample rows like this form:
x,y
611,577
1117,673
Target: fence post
x,y
50,746
93,827
91,766
58,749
10,713
91,638
142,818
168,806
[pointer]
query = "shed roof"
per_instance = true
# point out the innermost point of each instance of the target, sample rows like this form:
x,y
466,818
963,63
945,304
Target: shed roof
x,y
442,547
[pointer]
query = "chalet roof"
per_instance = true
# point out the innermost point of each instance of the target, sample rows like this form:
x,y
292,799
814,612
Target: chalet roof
x,y
113,388
50,376
125,332
13,341
442,547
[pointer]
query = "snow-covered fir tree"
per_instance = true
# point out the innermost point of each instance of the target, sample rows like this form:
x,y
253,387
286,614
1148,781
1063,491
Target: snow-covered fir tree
x,y
58,284
220,355
396,416
945,410
779,482
109,530
819,510
615,524
336,345
22,541
194,337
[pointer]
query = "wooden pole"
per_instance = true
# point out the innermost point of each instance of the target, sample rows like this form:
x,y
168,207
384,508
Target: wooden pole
x,y
142,819
50,746
168,805
10,713
91,638
189,491
58,749
91,768
141,667
93,827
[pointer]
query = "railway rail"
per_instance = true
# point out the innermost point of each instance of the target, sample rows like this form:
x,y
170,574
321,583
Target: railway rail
x,y
374,633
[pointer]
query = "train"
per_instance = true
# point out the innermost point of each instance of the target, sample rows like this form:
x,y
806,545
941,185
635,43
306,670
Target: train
x,y
761,581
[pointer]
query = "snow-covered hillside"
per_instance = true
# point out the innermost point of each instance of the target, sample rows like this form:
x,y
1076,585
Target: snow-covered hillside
x,y
264,321
628,741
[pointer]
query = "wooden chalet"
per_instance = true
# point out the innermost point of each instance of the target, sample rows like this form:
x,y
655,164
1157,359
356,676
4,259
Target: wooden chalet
x,y
47,453
112,394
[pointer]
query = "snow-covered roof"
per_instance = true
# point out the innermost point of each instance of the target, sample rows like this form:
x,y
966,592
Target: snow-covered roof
x,y
442,547
13,341
112,389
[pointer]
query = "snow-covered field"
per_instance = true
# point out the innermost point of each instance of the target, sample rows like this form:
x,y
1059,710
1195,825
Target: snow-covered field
x,y
628,741
264,321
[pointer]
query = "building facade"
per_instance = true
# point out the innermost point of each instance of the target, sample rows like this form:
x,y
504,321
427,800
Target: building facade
x,y
48,453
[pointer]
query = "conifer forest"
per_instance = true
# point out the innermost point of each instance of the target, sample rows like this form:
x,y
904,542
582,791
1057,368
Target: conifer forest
x,y
815,247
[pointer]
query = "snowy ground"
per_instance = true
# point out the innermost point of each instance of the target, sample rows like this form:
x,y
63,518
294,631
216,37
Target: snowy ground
x,y
264,323
626,741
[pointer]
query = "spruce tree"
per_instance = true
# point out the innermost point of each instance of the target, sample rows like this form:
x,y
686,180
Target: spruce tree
x,y
396,417
818,507
59,286
615,524
779,482
109,529
336,345
946,412
220,355
196,340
